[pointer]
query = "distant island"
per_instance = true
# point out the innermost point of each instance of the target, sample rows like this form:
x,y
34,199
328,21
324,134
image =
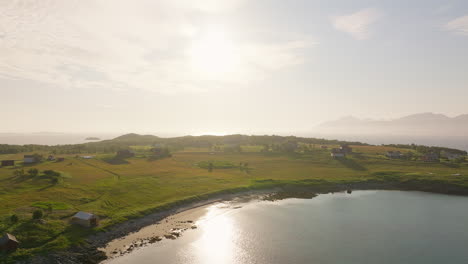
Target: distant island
x,y
92,138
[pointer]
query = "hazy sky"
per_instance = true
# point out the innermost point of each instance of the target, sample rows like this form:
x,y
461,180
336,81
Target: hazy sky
x,y
227,66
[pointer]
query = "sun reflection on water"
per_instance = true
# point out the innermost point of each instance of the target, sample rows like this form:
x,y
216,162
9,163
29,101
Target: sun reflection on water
x,y
219,239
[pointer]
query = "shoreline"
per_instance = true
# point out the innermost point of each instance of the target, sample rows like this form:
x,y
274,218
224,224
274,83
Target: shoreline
x,y
135,233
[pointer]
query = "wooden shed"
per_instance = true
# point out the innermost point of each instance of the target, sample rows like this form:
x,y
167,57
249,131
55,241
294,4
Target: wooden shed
x,y
8,243
8,163
85,219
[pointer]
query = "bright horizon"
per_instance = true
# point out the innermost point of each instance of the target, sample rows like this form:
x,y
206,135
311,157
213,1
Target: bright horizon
x,y
226,67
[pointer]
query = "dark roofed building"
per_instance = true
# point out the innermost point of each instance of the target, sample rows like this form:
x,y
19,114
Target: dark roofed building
x,y
125,153
346,149
8,163
8,243
337,153
394,154
430,157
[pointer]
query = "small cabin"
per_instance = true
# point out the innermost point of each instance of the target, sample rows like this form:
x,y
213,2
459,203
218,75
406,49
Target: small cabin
x,y
430,157
394,154
125,153
337,153
8,243
346,148
450,155
29,159
85,219
6,163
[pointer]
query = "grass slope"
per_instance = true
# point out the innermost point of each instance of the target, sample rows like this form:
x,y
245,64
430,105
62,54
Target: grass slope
x,y
118,192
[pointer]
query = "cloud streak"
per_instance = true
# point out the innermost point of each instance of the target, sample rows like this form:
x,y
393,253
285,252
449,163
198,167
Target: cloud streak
x,y
123,45
357,24
458,26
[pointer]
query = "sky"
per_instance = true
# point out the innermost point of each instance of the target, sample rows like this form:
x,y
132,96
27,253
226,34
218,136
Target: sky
x,y
230,66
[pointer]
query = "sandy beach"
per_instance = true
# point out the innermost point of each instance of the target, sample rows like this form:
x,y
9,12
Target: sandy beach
x,y
165,225
170,227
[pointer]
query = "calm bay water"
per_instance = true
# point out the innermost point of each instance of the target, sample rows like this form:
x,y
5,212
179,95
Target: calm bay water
x,y
362,227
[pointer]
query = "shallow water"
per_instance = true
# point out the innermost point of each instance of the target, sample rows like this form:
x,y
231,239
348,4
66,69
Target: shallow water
x,y
362,227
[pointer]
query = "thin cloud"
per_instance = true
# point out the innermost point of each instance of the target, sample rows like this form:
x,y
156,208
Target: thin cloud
x,y
357,24
122,45
458,26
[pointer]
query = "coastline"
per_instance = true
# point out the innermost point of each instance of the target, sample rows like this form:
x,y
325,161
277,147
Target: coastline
x,y
129,235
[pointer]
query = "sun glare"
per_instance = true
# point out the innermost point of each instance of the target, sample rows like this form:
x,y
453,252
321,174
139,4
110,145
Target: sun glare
x,y
214,54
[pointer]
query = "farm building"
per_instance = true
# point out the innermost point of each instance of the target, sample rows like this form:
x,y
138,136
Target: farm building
x,y
8,163
29,159
337,153
394,154
346,149
125,153
450,155
50,158
59,159
430,157
85,219
8,243
324,147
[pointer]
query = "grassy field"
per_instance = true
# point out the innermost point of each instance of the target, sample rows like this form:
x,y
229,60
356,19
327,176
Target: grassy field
x,y
118,192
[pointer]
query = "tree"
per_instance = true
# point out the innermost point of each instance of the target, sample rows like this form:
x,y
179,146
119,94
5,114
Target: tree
x,y
33,172
289,146
19,173
37,214
54,180
14,219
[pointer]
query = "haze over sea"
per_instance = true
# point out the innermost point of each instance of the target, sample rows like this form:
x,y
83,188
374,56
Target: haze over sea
x,y
362,227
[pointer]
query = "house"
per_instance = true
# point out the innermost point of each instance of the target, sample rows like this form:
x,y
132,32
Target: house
x,y
51,158
394,154
29,159
8,243
346,148
85,219
450,155
324,147
337,153
125,153
60,159
8,163
430,157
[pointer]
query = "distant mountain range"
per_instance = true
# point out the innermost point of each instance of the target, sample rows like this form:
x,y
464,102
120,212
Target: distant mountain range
x,y
423,124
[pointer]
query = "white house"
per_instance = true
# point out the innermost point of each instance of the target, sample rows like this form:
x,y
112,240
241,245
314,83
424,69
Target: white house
x,y
29,159
394,154
85,219
451,156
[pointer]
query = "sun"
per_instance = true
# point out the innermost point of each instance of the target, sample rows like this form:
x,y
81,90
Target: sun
x,y
213,54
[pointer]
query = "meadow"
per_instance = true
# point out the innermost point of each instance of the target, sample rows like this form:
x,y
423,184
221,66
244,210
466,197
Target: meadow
x,y
138,186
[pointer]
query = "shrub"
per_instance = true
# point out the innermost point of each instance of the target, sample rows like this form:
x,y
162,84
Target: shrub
x,y
33,172
37,214
14,219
